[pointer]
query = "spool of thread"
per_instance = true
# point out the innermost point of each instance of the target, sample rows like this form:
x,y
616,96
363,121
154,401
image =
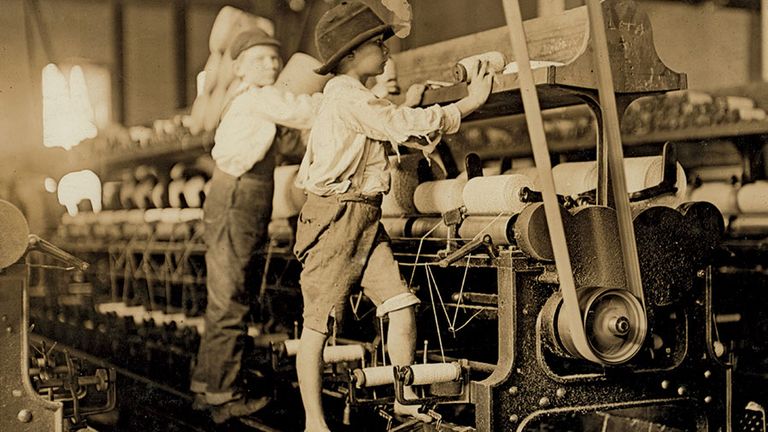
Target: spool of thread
x,y
331,353
152,215
193,191
467,67
431,373
170,215
739,103
421,226
437,197
750,225
495,194
191,215
110,195
573,178
753,197
176,193
404,181
722,194
291,347
343,353
374,376
396,226
298,77
500,229
142,194
644,172
284,203
530,171
160,195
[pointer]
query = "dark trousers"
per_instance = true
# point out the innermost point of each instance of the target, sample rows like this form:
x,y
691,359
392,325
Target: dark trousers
x,y
237,212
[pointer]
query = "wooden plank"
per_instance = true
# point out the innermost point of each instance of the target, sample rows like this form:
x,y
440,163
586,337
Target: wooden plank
x,y
558,38
565,38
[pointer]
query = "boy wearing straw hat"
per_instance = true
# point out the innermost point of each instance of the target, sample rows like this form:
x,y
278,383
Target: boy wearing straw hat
x,y
237,212
345,172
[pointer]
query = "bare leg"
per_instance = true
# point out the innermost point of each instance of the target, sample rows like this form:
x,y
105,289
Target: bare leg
x,y
309,367
401,346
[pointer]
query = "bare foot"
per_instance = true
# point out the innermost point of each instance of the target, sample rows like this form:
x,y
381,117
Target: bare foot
x,y
412,411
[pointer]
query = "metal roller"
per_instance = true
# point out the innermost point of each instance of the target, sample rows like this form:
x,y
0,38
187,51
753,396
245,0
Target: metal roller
x,y
613,321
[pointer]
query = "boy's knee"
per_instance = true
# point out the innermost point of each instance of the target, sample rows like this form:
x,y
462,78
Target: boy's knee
x,y
399,302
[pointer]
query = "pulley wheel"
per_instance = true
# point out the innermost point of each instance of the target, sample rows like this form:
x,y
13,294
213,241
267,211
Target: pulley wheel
x,y
613,319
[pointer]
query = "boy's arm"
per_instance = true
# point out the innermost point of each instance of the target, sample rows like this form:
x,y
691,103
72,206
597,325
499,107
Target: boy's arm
x,y
285,108
382,120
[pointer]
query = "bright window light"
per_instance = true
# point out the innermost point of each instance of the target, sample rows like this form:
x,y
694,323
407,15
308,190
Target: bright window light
x,y
77,186
73,108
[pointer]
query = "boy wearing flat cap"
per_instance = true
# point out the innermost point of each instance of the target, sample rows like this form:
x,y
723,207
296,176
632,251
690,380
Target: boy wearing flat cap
x,y
237,212
345,172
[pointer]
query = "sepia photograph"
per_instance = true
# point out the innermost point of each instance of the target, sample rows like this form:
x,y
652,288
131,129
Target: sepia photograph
x,y
383,215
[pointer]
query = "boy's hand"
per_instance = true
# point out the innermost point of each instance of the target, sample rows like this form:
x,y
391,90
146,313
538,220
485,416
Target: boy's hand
x,y
480,86
414,94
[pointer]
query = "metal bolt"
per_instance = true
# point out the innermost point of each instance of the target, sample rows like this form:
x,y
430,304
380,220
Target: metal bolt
x,y
665,384
560,392
682,390
4,318
9,329
701,273
24,416
708,399
514,418
513,390
707,374
544,402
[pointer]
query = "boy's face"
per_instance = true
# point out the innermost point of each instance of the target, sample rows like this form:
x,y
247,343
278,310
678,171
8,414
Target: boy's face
x,y
371,56
258,65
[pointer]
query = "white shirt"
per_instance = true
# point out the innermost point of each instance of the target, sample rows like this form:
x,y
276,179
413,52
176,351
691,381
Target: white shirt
x,y
248,129
346,150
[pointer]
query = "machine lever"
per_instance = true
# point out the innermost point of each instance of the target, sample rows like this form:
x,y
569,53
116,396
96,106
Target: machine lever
x,y
484,240
48,248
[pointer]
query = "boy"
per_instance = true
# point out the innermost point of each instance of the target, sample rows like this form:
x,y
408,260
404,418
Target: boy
x,y
339,239
237,212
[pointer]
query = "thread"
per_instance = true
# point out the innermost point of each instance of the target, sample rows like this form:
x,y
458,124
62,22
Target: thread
x,y
374,376
343,353
573,178
284,200
431,373
176,193
467,67
753,197
331,353
440,196
421,226
193,191
500,229
756,224
404,181
722,194
495,194
291,346
396,227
